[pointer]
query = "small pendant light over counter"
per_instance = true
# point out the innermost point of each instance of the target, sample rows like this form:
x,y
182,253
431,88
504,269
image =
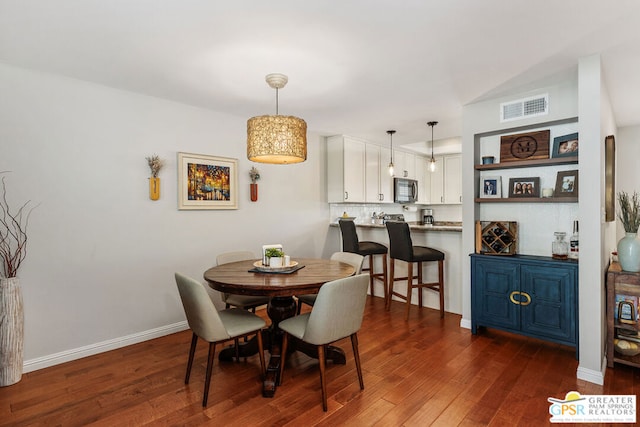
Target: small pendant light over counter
x,y
432,161
276,139
391,132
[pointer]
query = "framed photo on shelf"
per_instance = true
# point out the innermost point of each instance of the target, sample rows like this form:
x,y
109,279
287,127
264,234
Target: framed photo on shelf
x,y
207,182
524,187
490,187
567,184
565,146
626,308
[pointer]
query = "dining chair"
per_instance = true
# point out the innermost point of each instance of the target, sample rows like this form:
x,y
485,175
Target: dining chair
x,y
401,248
214,326
246,302
350,243
336,314
352,259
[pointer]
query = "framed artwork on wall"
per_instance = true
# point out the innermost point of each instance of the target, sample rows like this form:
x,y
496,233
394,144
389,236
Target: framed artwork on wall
x,y
524,187
207,182
524,146
490,187
565,146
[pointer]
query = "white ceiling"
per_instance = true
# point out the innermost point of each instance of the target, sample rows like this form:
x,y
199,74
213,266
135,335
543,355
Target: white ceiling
x,y
357,67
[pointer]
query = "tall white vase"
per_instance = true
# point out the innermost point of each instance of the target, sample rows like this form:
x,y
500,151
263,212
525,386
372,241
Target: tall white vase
x,y
11,331
629,252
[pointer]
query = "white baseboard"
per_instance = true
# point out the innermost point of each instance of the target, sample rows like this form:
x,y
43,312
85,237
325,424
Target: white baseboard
x,y
591,375
101,347
465,323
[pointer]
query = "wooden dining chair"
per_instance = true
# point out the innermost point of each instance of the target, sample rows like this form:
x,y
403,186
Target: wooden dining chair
x,y
214,326
336,314
246,302
352,259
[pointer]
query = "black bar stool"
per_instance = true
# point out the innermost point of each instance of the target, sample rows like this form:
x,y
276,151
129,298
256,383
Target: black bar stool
x,y
401,247
350,243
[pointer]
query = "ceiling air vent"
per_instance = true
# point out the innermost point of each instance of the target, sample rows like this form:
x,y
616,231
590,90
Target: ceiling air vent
x,y
524,108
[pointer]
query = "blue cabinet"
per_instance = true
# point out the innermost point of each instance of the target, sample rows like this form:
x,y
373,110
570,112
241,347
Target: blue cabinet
x,y
529,295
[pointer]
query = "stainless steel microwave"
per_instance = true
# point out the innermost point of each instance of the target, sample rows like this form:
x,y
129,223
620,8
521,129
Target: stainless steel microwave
x,y
405,190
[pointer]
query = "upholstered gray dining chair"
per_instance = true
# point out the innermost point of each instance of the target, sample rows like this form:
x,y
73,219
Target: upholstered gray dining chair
x,y
336,314
352,259
214,326
246,302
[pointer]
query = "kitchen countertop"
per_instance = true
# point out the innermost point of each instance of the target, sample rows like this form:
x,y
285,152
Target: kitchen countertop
x,y
416,226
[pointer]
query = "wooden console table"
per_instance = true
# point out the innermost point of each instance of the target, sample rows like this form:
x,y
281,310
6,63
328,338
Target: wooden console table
x,y
623,283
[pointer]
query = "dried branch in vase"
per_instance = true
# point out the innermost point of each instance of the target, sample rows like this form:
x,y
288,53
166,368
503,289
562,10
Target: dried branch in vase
x,y
254,174
13,234
155,164
629,211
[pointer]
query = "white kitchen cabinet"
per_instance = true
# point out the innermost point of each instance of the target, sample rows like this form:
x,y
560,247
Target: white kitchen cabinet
x,y
444,185
386,180
453,179
378,182
345,169
434,183
405,164
423,191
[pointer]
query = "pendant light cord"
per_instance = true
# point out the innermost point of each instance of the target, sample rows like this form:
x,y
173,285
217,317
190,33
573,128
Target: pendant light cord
x,y
432,162
391,132
432,124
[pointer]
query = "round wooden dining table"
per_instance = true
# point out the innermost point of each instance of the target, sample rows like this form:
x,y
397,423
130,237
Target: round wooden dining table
x,y
237,278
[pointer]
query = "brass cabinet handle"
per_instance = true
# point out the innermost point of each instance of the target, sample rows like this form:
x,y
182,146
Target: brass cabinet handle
x,y
524,294
513,300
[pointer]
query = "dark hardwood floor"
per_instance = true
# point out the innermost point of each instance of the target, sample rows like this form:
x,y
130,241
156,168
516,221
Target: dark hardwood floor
x,y
427,371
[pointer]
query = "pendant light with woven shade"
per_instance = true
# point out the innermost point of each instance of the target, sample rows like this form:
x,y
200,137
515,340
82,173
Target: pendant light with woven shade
x,y
276,139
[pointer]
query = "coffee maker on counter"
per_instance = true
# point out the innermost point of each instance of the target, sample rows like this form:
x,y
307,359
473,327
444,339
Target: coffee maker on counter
x,y
427,217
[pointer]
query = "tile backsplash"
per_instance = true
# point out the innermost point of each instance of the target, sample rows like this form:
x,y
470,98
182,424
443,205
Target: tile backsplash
x,y
364,212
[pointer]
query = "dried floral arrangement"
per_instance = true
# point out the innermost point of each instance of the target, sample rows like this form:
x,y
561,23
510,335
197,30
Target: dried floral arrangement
x,y
254,175
155,164
629,211
13,234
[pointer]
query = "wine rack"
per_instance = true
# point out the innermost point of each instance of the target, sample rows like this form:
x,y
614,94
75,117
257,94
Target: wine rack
x,y
496,237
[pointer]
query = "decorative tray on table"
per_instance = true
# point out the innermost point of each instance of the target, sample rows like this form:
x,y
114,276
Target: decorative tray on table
x,y
258,267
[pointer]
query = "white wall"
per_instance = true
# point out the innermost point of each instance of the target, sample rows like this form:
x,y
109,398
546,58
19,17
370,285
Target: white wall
x,y
596,121
101,255
627,171
536,222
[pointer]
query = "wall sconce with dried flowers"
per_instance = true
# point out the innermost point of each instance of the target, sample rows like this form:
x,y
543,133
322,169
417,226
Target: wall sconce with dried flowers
x,y
254,174
155,164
